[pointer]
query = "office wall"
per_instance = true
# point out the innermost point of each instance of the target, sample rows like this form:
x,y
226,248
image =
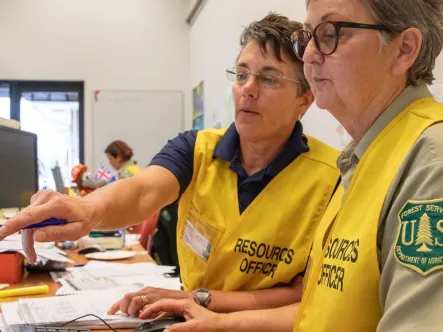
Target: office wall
x,y
110,44
192,3
214,47
438,71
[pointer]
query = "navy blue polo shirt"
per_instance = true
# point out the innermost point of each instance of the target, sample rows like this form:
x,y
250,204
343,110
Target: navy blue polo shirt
x,y
178,157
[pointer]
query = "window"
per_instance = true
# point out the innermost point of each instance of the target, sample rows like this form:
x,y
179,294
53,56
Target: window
x,y
53,111
5,104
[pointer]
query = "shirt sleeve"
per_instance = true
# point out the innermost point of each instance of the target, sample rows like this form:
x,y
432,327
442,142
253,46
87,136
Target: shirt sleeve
x,y
177,156
409,300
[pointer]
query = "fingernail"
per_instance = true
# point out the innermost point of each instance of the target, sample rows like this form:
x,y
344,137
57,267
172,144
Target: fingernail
x,y
32,259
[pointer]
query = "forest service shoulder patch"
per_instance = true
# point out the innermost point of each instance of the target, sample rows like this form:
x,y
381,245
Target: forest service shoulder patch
x,y
419,243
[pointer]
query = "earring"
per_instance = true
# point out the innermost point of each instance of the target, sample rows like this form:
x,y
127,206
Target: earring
x,y
300,116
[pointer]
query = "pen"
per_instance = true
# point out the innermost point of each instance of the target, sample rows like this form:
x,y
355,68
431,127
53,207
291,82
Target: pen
x,y
43,289
48,222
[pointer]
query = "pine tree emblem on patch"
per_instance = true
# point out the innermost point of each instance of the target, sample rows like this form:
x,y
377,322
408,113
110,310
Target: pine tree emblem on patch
x,y
420,239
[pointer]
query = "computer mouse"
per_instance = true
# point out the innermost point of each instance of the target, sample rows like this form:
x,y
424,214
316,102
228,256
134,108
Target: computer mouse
x,y
159,325
90,249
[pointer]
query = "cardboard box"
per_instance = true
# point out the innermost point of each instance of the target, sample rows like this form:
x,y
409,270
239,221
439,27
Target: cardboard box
x,y
11,267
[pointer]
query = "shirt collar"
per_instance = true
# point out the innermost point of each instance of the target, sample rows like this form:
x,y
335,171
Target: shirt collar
x,y
228,148
409,95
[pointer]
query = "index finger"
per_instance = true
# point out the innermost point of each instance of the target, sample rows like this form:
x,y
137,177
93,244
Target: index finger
x,y
28,216
114,308
176,307
28,245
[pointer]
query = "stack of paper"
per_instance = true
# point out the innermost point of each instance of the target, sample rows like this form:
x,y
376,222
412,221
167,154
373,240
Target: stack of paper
x,y
4,327
45,251
59,310
98,275
104,269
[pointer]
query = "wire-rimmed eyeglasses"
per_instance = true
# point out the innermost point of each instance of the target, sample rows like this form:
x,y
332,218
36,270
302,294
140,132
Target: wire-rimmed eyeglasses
x,y
267,78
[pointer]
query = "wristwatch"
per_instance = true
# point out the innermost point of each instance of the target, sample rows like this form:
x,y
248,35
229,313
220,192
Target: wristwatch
x,y
202,297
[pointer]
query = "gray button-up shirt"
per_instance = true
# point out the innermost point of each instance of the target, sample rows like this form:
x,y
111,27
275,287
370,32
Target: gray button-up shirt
x,y
409,301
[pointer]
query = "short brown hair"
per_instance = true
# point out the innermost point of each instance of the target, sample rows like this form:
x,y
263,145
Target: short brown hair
x,y
119,149
275,31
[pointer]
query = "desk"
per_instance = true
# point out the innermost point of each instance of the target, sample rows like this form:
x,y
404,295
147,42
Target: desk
x,y
36,279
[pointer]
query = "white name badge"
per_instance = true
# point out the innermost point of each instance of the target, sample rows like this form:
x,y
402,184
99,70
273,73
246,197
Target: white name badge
x,y
196,241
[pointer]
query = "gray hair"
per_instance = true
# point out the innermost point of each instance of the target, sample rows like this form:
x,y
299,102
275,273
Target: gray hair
x,y
425,15
274,32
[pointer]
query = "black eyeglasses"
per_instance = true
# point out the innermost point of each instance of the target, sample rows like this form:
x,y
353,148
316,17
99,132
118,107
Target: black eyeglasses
x,y
326,36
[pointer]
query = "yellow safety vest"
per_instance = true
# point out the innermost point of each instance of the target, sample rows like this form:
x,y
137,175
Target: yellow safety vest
x,y
134,169
267,244
342,287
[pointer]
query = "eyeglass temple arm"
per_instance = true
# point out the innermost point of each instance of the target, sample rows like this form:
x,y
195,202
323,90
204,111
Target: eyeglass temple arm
x,y
362,26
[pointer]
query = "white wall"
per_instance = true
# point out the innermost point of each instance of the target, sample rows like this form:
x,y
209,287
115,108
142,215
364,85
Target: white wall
x,y
192,4
215,45
109,44
438,71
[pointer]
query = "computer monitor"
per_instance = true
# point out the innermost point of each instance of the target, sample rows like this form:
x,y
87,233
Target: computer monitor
x,y
18,167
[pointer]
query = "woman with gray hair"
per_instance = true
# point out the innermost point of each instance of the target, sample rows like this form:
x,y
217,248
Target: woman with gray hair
x,y
377,259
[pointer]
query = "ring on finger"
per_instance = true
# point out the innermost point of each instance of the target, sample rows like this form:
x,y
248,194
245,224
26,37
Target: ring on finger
x,y
145,301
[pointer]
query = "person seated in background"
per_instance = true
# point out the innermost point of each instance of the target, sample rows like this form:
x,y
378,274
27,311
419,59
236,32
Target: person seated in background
x,y
251,195
120,157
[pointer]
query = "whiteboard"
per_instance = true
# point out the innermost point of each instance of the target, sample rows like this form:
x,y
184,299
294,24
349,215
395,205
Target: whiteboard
x,y
145,120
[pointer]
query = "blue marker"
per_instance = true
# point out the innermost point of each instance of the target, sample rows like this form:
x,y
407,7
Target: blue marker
x,y
48,222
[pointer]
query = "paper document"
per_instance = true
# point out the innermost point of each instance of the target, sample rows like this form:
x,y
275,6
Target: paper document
x,y
56,310
4,327
106,269
151,280
80,279
11,313
44,250
70,273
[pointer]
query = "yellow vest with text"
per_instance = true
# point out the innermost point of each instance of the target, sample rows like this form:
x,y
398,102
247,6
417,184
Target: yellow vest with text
x,y
269,243
343,283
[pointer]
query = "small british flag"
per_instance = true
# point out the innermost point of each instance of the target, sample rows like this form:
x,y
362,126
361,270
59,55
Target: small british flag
x,y
104,174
